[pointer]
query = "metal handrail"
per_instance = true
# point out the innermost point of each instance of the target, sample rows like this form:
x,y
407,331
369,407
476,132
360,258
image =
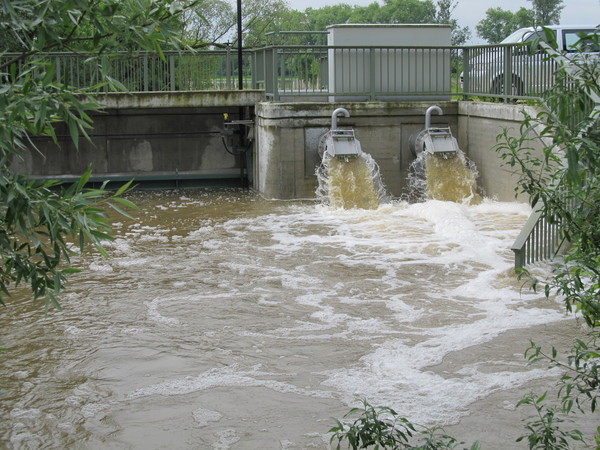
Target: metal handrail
x,y
144,71
541,238
368,72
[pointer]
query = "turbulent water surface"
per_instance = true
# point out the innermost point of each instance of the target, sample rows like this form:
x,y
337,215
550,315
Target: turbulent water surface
x,y
222,320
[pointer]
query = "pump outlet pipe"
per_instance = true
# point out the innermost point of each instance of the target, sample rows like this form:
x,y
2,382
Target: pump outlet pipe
x,y
336,113
428,115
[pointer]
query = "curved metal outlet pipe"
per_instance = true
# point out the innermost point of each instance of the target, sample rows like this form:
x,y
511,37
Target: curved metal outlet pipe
x,y
336,113
428,115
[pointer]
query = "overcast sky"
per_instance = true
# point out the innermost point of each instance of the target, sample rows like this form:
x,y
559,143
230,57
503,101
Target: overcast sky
x,y
470,12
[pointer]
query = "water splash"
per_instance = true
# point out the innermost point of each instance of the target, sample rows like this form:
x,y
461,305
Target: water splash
x,y
448,179
351,184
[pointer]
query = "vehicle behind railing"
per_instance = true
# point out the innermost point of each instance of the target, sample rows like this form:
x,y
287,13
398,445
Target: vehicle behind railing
x,y
519,67
506,71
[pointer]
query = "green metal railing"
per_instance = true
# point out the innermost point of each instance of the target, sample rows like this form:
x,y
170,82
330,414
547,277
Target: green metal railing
x,y
356,72
284,70
142,72
542,238
506,71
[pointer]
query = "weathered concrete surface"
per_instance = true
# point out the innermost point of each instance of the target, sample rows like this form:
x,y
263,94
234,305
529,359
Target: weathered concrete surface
x,y
182,99
288,135
144,143
479,125
135,138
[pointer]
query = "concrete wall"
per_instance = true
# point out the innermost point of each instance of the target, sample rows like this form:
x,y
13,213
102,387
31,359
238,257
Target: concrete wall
x,y
137,142
147,136
135,139
286,149
288,135
479,125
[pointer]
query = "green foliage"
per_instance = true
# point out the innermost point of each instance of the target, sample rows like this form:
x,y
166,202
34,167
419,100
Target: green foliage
x,y
578,386
563,181
50,25
41,221
547,12
445,8
500,23
544,432
408,11
380,427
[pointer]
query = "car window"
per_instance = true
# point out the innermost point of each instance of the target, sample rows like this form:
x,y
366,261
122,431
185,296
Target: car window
x,y
516,37
575,41
539,34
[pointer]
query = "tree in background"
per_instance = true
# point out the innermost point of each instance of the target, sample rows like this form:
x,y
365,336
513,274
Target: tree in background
x,y
260,17
445,8
547,12
42,223
407,11
215,20
500,23
319,19
208,22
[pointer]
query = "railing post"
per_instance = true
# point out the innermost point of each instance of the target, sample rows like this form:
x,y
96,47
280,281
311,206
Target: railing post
x,y
146,68
275,77
282,72
228,66
253,64
172,70
372,74
466,72
58,71
519,258
507,85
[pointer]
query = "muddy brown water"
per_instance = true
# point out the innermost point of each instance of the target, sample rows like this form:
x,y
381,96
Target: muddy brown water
x,y
222,320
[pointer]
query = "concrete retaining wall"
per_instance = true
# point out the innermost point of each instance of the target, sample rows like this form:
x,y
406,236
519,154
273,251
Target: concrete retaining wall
x,y
170,137
148,136
479,124
288,139
138,143
288,135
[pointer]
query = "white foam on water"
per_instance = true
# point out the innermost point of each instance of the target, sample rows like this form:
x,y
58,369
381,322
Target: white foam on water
x,y
203,417
229,376
92,409
96,267
377,299
75,331
30,413
155,316
227,438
